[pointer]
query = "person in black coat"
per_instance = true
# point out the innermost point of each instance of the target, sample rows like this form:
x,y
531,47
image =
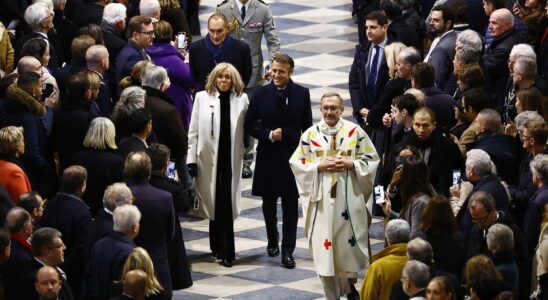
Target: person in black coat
x,y
157,227
68,213
363,94
18,222
482,208
71,121
109,254
533,216
104,166
479,172
66,31
116,195
134,286
113,26
78,63
178,263
495,66
5,205
277,115
90,12
502,148
41,29
211,50
24,109
423,78
48,250
360,9
398,30
443,155
140,124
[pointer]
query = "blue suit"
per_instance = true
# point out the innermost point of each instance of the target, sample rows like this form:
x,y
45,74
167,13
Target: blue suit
x,y
105,265
127,58
533,217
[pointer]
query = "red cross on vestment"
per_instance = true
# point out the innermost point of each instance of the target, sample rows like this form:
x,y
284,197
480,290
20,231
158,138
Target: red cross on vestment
x,y
326,244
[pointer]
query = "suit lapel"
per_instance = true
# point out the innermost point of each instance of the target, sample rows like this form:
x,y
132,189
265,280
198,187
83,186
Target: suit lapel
x,y
235,12
250,12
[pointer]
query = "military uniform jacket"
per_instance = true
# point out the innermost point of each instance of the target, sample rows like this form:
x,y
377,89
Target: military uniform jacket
x,y
258,22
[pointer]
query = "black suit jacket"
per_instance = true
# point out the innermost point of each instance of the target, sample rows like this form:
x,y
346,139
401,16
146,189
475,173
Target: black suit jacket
x,y
88,13
130,144
157,227
102,226
202,62
399,31
442,61
63,74
266,113
70,215
357,80
13,270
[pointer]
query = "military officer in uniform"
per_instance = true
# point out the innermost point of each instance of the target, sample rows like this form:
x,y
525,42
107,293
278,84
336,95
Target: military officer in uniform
x,y
249,20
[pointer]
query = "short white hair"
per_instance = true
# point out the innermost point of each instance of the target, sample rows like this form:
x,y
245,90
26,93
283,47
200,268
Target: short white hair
x,y
417,273
49,3
524,117
114,13
148,7
539,166
527,67
470,39
479,161
521,50
96,54
154,77
117,195
505,15
35,14
397,231
125,217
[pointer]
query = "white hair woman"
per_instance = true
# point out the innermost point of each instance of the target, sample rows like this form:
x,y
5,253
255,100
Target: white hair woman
x,y
132,98
215,152
100,159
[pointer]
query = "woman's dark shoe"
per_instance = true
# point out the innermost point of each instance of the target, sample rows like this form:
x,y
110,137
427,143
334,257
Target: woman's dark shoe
x,y
226,263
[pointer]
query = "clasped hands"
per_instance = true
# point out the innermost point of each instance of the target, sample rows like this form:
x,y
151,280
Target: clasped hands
x,y
335,164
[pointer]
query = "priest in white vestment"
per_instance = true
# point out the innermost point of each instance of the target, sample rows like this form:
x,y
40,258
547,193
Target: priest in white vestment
x,y
335,166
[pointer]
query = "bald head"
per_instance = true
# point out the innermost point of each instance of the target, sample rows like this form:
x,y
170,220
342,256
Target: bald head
x,y
500,21
48,283
97,58
135,282
28,64
19,221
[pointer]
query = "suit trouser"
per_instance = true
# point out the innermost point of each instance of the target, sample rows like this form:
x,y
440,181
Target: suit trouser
x,y
248,151
290,213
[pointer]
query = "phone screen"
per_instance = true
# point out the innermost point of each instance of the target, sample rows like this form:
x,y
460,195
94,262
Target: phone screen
x,y
170,172
379,194
456,177
181,37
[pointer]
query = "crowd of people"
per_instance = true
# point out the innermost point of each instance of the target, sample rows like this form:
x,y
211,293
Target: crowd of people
x,y
115,121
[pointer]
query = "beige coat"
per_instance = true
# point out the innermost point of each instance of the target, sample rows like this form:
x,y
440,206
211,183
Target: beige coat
x,y
202,147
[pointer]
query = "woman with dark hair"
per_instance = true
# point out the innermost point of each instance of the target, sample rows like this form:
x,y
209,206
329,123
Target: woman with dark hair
x,y
438,226
94,31
415,191
534,16
440,288
164,54
531,99
395,166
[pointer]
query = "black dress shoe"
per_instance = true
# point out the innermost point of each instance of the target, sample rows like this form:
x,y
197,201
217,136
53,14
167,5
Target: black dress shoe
x,y
353,295
288,261
226,262
246,172
214,254
273,250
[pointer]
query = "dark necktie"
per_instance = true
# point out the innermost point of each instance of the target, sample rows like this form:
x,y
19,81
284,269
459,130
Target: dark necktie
x,y
280,96
243,13
371,89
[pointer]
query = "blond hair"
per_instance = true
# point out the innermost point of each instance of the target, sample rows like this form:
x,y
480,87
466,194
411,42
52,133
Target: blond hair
x,y
11,137
167,4
138,259
136,74
391,52
237,83
101,134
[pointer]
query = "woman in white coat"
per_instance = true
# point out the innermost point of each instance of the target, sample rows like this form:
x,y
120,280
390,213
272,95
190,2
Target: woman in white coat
x,y
215,151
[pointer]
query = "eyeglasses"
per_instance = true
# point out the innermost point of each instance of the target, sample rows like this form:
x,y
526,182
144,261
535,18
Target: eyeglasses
x,y
150,33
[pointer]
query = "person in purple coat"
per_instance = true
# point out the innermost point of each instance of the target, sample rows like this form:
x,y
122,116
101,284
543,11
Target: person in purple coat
x,y
164,54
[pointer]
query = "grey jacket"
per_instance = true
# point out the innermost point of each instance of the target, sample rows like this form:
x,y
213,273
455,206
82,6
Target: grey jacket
x,y
258,22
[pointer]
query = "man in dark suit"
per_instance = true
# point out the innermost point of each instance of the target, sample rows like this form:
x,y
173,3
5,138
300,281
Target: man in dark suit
x,y
442,50
140,124
91,12
501,24
40,20
157,226
48,250
48,283
369,72
441,103
68,213
141,34
97,59
277,115
116,195
178,263
113,26
135,283
19,223
72,120
109,254
216,47
398,30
